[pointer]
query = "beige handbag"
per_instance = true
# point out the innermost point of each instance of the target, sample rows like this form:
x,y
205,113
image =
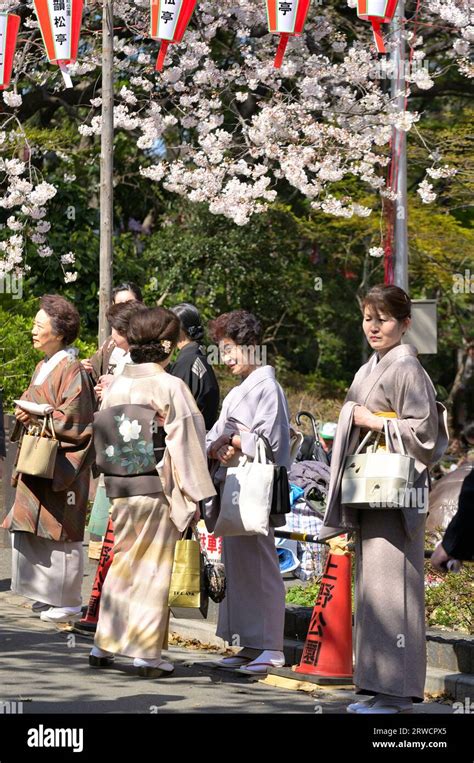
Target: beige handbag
x,y
379,479
38,451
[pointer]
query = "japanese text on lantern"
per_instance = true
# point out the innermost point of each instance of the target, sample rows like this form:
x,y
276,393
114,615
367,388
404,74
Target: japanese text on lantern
x,y
60,14
286,15
169,15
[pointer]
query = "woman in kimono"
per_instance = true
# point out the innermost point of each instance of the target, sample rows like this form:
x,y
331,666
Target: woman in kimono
x,y
150,444
390,648
109,354
118,316
252,615
192,365
48,517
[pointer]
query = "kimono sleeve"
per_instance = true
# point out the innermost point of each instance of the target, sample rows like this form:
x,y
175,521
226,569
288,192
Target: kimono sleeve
x,y
412,396
186,444
74,412
272,421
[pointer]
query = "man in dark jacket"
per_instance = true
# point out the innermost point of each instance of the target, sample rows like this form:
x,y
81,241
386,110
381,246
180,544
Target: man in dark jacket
x,y
458,541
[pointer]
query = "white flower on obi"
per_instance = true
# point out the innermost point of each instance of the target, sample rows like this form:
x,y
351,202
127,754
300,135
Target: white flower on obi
x,y
130,430
110,451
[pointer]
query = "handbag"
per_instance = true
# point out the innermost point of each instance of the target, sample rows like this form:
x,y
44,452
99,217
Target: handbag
x,y
214,575
187,587
37,456
247,497
379,479
281,503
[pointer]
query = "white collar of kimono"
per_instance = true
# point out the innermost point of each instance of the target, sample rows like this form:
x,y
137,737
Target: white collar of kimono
x,y
395,352
49,365
142,369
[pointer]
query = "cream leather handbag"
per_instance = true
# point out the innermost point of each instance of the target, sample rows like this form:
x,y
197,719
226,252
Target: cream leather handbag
x,y
380,479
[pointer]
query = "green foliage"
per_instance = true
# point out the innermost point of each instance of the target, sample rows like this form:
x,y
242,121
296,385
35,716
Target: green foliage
x,y
449,599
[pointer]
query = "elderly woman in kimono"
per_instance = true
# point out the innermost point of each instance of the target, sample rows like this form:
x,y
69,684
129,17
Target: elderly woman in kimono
x,y
252,615
390,649
150,444
48,517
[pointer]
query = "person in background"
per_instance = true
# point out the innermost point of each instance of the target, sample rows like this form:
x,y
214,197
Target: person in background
x,y
326,438
458,541
48,516
108,355
253,610
192,365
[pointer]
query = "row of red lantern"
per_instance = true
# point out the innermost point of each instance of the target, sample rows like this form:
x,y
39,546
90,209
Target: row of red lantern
x,y
60,24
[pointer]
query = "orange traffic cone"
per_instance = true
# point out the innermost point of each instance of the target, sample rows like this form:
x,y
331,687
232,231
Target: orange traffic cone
x,y
327,654
89,622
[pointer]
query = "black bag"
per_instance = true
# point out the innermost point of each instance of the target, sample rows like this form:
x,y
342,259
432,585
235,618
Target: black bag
x,y
281,486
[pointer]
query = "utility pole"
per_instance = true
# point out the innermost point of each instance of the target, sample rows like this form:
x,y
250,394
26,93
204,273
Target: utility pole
x,y
399,154
106,168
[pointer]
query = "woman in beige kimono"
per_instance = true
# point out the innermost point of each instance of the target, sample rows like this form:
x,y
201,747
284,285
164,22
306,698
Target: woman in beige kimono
x,y
252,615
48,517
390,648
150,444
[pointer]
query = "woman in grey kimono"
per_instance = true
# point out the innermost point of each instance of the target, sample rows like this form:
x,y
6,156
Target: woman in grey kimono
x,y
252,614
390,649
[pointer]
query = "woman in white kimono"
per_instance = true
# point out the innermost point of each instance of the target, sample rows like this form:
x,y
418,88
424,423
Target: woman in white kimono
x,y
252,615
390,648
150,444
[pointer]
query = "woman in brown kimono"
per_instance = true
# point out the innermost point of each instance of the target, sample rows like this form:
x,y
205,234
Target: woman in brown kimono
x,y
48,516
150,444
390,648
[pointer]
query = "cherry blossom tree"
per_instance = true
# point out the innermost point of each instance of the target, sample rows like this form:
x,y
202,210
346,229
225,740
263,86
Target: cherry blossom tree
x,y
220,125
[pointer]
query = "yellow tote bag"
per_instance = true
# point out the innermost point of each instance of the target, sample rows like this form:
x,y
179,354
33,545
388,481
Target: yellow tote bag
x,y
187,588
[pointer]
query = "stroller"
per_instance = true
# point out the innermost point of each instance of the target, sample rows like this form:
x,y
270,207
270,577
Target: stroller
x,y
309,483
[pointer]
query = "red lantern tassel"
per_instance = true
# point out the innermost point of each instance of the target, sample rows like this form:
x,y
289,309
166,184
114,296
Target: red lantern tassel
x,y
281,50
161,55
379,43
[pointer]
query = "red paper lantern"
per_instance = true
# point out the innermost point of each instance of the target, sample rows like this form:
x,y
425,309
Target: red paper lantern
x,y
286,18
377,12
169,21
60,24
9,25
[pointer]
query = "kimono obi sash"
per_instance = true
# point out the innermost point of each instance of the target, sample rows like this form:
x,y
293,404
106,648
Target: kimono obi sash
x,y
129,445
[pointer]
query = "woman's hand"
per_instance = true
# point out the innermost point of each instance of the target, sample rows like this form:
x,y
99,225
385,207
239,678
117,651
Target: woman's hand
x,y
221,449
87,365
22,415
98,391
365,418
105,380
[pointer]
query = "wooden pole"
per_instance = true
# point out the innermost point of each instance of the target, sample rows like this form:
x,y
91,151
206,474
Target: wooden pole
x,y
399,148
106,169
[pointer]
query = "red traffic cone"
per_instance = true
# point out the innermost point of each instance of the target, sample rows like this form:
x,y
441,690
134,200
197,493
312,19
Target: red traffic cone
x,y
89,622
327,653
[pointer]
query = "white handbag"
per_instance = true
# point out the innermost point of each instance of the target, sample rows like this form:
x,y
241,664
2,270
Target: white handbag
x,y
379,479
247,497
